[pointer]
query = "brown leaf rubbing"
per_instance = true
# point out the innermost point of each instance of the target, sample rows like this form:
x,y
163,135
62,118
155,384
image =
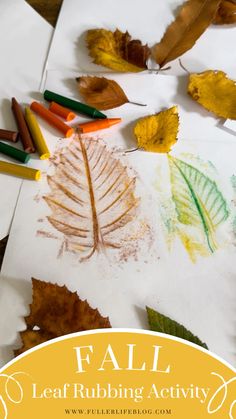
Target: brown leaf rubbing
x,y
56,311
193,19
92,197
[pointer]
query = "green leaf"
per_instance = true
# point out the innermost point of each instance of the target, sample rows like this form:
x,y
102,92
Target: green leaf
x,y
162,324
198,201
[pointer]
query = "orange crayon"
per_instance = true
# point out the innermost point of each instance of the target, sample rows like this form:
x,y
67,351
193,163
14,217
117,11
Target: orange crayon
x,y
98,124
49,117
61,111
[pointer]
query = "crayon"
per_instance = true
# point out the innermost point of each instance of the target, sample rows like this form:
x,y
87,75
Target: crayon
x,y
23,130
13,152
73,104
52,120
99,124
9,135
61,111
19,171
37,135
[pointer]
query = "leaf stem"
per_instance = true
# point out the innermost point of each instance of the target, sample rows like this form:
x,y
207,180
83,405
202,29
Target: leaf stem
x,y
182,66
132,150
136,103
157,71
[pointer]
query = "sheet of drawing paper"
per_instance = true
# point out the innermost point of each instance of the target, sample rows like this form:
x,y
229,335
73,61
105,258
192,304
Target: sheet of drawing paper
x,y
25,41
195,122
144,20
126,230
231,126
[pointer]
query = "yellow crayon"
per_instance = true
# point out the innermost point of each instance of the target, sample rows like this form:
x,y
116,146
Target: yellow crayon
x,y
37,135
19,171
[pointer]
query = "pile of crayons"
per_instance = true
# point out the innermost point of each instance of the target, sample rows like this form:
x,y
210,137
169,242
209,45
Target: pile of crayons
x,y
31,136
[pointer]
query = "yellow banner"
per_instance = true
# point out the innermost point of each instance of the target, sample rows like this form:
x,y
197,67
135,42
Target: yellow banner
x,y
117,374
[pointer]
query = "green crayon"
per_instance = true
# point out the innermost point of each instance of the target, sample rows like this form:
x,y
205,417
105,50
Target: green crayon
x,y
13,152
73,104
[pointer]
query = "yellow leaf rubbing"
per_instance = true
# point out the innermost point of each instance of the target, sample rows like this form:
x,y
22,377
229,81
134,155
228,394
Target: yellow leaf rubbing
x,y
158,133
215,92
192,246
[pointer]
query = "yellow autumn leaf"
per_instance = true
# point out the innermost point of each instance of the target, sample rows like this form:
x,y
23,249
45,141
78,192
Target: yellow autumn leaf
x,y
215,92
158,133
116,50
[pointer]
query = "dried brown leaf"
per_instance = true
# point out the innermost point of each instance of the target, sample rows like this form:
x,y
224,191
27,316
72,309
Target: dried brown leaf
x,y
226,13
100,92
56,311
32,338
116,50
193,19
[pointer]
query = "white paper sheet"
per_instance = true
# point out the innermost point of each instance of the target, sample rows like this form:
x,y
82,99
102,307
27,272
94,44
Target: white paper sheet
x,y
230,126
158,93
200,295
25,41
145,20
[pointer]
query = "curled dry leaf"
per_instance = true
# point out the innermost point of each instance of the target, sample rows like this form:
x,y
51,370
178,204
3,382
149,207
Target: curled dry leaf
x,y
193,19
226,13
92,198
158,133
116,50
215,92
56,311
100,92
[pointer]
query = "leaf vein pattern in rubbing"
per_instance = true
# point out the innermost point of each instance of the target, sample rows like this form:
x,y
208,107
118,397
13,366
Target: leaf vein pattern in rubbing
x,y
92,197
197,199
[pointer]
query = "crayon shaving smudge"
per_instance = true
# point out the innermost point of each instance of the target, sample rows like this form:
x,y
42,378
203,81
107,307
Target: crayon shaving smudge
x,y
194,210
93,202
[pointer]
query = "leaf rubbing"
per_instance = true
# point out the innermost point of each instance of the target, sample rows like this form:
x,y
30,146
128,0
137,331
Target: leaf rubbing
x,y
215,92
92,197
116,50
158,133
162,324
198,201
100,92
226,13
193,19
56,312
